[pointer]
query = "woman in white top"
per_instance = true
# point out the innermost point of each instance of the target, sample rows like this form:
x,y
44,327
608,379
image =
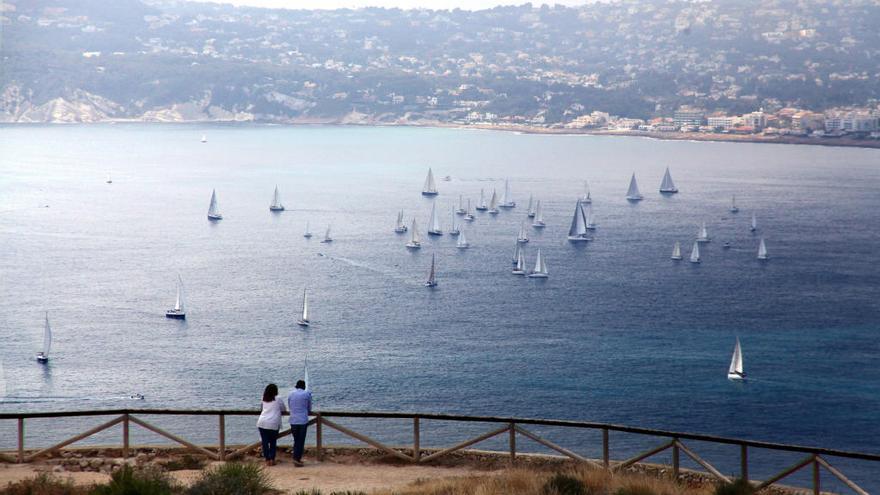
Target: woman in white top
x,y
270,422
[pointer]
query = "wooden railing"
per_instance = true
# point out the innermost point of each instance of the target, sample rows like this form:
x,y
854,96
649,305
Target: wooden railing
x,y
815,458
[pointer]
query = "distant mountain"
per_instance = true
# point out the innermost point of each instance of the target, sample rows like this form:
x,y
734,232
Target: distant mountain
x,y
92,60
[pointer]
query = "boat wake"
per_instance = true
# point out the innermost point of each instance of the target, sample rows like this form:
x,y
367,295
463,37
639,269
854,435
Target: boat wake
x,y
62,398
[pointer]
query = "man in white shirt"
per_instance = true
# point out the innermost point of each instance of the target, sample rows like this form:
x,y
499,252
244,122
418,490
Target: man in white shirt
x,y
299,402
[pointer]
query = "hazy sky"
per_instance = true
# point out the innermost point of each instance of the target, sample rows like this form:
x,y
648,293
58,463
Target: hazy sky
x,y
404,4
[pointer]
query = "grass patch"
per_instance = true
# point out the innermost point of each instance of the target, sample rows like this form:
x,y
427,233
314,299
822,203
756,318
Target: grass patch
x,y
564,484
130,481
43,484
738,487
233,478
183,462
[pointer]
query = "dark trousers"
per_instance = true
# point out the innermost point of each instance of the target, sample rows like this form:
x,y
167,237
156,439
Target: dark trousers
x,y
299,440
270,443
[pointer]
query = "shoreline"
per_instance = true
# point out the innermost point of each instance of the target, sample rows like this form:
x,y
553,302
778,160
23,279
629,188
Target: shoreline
x,y
839,142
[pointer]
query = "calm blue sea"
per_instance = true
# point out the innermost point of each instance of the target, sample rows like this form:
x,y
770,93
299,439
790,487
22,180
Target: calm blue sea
x,y
618,333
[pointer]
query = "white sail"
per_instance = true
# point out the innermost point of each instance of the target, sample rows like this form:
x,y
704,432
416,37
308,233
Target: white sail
x,y
754,223
460,210
520,268
540,270
735,371
204,138
432,276
517,251
276,201
109,178
399,224
633,192
415,239
305,307
430,187
307,233
578,229
482,204
531,209
762,250
213,209
493,203
586,197
733,207
179,304
695,253
589,221
306,379
454,230
539,215
327,237
676,251
703,234
47,337
434,224
506,200
522,236
462,241
667,186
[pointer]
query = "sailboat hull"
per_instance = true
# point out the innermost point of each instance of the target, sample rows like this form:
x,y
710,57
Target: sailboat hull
x,y
669,191
507,205
577,238
635,198
215,218
736,377
302,323
175,314
276,208
538,275
539,225
413,245
42,359
430,284
429,193
400,230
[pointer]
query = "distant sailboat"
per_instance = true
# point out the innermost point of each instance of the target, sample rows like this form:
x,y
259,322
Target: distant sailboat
x,y
667,186
578,230
432,276
400,228
522,237
454,230
213,209
735,371
506,200
468,216
493,203
703,234
327,238
303,321
733,207
762,250
460,210
276,202
434,224
633,193
586,199
538,223
430,188
540,270
754,226
517,251
308,233
204,138
109,179
179,310
43,356
676,251
520,265
481,206
695,252
415,240
588,217
531,209
462,242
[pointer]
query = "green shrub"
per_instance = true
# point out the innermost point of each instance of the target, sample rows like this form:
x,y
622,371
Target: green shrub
x,y
738,487
563,484
42,484
130,481
233,478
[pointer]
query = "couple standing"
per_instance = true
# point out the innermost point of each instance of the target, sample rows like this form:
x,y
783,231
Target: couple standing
x,y
299,403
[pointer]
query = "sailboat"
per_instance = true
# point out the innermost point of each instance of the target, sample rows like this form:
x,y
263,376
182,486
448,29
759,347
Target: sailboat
x,y
204,138
735,372
506,200
468,216
578,230
703,234
327,238
522,237
43,356
586,199
276,202
109,179
733,207
400,228
539,216
460,210
676,251
588,217
179,310
540,270
520,266
303,321
462,242
481,206
415,240
454,230
432,276
308,233
762,250
517,251
667,186
754,226
213,209
430,188
531,209
493,203
695,252
434,224
633,193
306,374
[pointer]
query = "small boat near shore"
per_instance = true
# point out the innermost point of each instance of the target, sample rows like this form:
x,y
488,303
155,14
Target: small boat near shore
x,y
633,194
667,186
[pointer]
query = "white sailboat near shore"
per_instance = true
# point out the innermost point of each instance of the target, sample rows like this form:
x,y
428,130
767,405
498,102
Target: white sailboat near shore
x,y
430,187
762,250
667,186
43,356
460,210
213,208
577,232
454,231
493,204
434,227
506,200
481,206
538,223
695,252
276,202
303,320
676,251
735,371
179,310
399,227
540,270
523,236
633,194
415,240
703,234
432,276
530,211
462,242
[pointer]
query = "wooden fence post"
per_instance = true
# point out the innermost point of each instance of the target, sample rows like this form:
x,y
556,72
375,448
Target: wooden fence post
x,y
744,462
512,443
125,441
816,482
417,447
675,459
319,440
20,440
222,427
606,457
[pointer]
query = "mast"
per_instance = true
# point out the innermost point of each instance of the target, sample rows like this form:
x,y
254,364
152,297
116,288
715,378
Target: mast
x,y
415,238
539,213
482,203
435,221
530,209
522,237
586,197
276,199
431,276
179,304
305,307
47,337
